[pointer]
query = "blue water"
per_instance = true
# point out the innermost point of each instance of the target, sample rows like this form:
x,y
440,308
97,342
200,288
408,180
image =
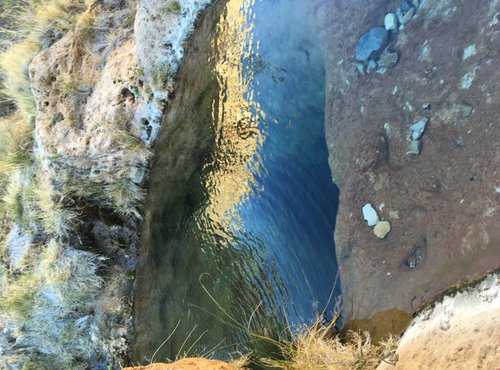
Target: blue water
x,y
267,260
294,216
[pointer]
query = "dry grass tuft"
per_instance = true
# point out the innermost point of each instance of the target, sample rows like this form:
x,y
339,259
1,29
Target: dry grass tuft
x,y
15,143
14,64
125,197
55,218
316,348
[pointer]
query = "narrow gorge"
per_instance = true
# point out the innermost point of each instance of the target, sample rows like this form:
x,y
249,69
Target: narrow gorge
x,y
288,184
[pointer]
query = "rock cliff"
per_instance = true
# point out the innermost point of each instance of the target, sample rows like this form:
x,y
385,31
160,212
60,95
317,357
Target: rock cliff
x,y
98,83
436,183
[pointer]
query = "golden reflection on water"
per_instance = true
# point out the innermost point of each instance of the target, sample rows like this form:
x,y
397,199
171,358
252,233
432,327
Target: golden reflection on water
x,y
235,114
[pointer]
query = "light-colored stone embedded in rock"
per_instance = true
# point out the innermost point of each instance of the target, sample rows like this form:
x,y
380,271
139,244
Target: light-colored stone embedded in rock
x,y
417,129
405,14
388,60
469,51
360,68
468,79
390,21
371,66
370,214
381,229
415,147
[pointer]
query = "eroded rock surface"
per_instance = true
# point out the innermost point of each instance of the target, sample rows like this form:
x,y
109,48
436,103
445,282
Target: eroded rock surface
x,y
443,203
460,332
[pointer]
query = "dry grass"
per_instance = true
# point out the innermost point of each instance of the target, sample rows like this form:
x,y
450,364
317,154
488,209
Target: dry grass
x,y
18,296
55,218
125,197
52,303
85,26
17,201
317,348
14,68
15,143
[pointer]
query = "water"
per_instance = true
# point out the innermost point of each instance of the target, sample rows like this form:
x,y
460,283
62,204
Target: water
x,y
238,233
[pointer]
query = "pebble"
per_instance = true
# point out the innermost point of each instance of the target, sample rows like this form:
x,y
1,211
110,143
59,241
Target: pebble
x,y
405,18
415,147
463,110
388,60
370,215
360,68
381,229
417,129
371,43
372,65
390,21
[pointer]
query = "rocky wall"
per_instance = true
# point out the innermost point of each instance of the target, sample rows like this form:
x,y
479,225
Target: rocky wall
x,y
412,129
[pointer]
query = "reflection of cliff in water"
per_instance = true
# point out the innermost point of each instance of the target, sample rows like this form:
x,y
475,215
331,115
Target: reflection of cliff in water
x,y
238,228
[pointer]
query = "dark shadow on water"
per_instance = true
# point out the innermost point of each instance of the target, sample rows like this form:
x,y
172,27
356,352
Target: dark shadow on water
x,y
238,233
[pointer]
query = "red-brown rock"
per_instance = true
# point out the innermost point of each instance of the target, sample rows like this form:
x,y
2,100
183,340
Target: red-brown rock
x,y
443,205
187,364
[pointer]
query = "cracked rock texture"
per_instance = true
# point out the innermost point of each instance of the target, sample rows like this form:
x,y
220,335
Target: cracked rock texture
x,y
442,204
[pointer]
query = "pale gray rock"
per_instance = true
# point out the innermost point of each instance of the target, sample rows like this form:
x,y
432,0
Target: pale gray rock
x,y
372,65
388,59
360,68
371,43
370,215
381,229
405,13
415,147
391,22
417,129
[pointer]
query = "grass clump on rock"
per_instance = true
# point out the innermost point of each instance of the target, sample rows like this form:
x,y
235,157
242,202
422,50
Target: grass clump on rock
x,y
318,348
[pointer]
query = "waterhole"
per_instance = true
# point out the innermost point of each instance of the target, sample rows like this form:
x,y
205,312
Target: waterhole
x,y
238,235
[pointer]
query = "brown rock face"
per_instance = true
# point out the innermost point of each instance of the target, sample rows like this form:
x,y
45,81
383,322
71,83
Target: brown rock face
x,y
442,203
187,364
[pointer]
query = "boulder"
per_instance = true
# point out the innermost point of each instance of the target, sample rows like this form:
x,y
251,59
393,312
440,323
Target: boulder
x,y
371,43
